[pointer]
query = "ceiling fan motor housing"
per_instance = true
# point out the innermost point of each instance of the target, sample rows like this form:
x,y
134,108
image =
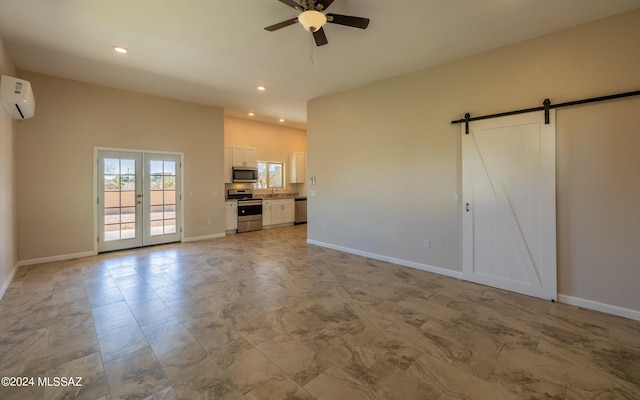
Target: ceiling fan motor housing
x,y
312,20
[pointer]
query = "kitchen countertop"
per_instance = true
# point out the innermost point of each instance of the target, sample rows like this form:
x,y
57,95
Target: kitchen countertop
x,y
275,196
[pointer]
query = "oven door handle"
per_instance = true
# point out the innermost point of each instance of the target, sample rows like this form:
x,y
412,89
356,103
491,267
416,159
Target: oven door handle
x,y
249,203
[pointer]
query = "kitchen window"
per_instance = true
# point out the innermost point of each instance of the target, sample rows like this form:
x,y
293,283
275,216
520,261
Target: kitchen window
x,y
270,175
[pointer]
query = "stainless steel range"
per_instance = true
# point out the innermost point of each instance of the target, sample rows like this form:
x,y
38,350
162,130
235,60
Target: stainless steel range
x,y
249,209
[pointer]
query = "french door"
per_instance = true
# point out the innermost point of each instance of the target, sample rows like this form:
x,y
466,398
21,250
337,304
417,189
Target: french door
x,y
509,219
139,199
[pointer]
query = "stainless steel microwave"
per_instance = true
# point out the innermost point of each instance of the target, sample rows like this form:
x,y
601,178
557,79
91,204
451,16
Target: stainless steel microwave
x,y
245,174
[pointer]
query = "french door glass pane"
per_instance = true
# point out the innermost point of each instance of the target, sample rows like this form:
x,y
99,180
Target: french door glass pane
x,y
128,198
162,187
169,226
119,199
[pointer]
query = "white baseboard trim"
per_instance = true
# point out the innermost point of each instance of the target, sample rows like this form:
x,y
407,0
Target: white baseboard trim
x,y
62,257
5,286
392,260
207,237
562,298
602,307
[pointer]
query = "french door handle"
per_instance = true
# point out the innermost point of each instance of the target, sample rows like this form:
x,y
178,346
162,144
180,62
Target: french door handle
x,y
467,207
139,195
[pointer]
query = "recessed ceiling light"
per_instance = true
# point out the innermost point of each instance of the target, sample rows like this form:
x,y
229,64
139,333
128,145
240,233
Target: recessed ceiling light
x,y
120,49
251,114
261,88
281,119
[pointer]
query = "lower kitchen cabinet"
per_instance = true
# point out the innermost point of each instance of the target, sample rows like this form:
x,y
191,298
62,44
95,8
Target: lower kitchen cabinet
x,y
231,216
278,212
266,212
288,211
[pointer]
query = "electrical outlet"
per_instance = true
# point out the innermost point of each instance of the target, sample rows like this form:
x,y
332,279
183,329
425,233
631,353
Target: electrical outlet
x,y
427,244
456,198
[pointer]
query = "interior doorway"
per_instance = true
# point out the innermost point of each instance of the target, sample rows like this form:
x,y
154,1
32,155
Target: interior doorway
x,y
139,199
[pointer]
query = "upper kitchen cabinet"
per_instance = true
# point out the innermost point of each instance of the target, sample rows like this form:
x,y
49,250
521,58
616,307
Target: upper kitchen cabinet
x,y
297,163
244,157
228,163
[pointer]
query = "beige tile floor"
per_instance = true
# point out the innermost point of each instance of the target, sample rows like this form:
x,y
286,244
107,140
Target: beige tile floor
x,y
263,315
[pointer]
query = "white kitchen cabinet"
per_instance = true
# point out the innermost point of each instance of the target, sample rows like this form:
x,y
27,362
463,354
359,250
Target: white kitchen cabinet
x,y
266,212
288,211
231,216
228,164
278,212
244,157
237,156
297,166
251,157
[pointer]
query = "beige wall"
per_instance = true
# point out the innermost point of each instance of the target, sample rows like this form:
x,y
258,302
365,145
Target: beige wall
x,y
8,207
387,159
272,142
598,183
56,154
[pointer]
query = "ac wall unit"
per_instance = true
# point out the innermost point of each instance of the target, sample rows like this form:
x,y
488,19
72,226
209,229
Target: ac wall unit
x,y
16,97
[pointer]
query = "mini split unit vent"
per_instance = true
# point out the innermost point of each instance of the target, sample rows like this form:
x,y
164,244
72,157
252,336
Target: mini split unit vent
x,y
16,97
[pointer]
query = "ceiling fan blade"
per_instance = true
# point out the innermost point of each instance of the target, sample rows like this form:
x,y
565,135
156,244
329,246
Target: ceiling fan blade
x,y
320,37
292,4
356,22
281,25
325,3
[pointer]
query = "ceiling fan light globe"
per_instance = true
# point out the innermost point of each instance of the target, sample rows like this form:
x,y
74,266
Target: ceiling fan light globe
x,y
312,20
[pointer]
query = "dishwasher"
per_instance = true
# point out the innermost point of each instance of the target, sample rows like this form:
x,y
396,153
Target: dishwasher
x,y
301,210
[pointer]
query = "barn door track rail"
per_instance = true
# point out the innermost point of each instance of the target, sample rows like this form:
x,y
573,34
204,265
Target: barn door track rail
x,y
546,106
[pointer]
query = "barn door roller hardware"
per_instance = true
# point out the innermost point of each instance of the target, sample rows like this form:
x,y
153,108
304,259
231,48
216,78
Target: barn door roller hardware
x,y
546,106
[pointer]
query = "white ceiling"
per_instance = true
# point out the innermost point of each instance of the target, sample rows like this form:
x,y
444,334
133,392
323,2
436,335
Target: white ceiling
x,y
216,52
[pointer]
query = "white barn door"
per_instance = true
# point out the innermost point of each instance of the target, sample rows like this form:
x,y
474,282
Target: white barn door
x,y
509,214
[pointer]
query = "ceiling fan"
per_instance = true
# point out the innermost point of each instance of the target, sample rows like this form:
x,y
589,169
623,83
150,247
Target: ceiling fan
x,y
312,18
